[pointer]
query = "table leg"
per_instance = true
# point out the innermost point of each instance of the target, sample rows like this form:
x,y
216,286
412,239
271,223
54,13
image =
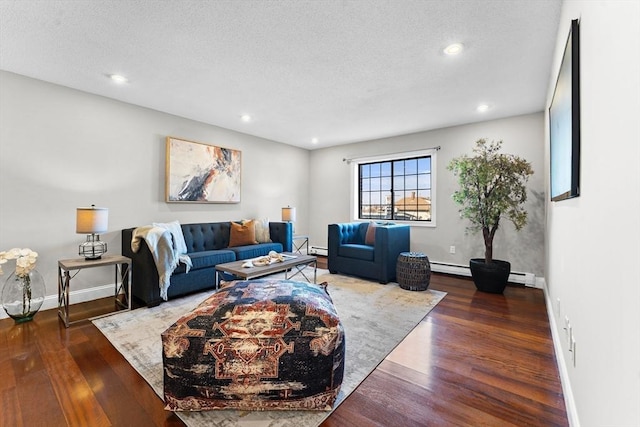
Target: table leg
x,y
63,296
123,273
300,270
129,297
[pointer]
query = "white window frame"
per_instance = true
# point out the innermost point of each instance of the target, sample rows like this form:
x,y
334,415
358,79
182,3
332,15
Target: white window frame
x,y
355,166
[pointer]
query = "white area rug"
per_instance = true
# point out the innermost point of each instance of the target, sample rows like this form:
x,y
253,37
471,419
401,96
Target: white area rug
x,y
375,318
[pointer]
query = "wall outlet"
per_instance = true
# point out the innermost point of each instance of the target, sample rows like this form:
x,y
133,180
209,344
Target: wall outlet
x,y
452,249
572,349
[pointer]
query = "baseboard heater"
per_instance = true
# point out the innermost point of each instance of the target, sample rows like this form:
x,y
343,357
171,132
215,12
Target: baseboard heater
x,y
318,250
527,279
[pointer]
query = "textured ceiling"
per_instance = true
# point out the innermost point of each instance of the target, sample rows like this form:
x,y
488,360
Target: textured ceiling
x,y
339,71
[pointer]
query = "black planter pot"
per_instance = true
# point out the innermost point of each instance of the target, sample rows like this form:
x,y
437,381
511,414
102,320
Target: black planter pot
x,y
491,277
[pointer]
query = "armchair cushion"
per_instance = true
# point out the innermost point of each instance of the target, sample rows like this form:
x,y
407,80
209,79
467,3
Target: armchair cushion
x,y
370,237
364,252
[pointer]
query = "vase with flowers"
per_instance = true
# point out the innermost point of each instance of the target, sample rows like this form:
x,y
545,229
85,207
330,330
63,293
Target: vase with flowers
x,y
23,291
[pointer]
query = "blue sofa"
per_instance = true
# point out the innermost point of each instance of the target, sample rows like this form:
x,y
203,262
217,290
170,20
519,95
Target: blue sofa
x,y
349,253
207,246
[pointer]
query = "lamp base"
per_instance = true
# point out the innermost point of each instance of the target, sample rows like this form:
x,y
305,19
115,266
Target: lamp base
x,y
93,248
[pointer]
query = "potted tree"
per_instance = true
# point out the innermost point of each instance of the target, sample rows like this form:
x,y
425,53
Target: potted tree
x,y
492,187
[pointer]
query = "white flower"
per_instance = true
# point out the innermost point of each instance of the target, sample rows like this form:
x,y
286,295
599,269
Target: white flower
x,y
25,260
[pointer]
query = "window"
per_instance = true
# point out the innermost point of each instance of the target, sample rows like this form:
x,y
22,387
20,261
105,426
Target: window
x,y
399,188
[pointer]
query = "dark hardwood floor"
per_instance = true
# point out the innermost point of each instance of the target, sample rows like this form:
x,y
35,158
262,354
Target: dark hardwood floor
x,y
476,360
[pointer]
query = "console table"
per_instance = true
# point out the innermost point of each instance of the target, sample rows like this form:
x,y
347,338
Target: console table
x,y
122,278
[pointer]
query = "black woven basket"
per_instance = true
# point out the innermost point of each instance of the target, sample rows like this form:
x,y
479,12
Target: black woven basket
x,y
413,271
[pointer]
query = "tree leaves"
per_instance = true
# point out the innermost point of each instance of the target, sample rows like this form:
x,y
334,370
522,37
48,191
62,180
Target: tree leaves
x,y
492,186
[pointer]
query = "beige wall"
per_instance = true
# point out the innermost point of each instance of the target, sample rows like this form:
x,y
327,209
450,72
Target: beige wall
x,y
522,135
61,149
593,241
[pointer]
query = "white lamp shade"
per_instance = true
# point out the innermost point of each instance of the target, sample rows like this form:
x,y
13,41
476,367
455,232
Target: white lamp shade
x,y
91,220
289,214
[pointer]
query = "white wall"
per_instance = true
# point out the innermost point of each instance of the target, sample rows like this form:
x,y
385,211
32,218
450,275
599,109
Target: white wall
x,y
61,149
593,241
522,135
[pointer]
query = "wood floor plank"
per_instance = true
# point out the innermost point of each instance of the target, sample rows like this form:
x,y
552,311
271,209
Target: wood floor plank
x,y
31,379
121,407
476,359
10,413
131,382
75,395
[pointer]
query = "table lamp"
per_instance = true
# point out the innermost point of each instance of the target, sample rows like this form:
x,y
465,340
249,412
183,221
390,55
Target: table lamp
x,y
92,221
289,215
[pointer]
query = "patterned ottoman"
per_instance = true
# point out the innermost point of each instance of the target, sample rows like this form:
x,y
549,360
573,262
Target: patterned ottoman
x,y
256,345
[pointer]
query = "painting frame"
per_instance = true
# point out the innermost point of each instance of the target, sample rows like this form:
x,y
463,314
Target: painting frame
x,y
564,123
196,172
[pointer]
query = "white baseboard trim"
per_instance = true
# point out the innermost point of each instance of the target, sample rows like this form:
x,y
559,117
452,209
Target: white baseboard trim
x,y
318,250
569,401
81,295
527,279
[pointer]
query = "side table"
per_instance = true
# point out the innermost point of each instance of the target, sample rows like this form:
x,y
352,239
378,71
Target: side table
x,y
297,247
413,271
122,278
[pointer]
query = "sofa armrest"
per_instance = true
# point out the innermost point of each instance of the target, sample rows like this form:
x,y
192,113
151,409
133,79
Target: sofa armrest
x,y
390,241
144,275
282,232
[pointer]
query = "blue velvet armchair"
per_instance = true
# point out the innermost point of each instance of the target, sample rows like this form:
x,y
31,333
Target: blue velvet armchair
x,y
350,254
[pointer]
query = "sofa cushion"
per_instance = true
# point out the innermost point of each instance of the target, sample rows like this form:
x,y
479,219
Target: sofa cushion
x,y
242,234
362,252
262,230
206,236
207,259
254,251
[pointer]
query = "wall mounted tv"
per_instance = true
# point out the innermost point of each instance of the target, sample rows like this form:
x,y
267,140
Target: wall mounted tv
x,y
564,122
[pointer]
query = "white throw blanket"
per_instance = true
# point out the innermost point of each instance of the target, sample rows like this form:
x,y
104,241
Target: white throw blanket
x,y
166,258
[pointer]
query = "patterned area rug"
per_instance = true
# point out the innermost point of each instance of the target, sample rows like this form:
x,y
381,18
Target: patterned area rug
x,y
375,318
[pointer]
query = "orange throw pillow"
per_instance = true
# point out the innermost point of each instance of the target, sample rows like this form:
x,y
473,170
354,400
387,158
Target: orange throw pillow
x,y
242,234
370,237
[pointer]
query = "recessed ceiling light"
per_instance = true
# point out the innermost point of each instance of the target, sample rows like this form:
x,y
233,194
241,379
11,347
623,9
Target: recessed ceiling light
x,y
245,118
314,140
453,49
118,78
482,108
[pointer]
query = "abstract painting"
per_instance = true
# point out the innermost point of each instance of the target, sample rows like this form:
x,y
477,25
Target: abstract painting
x,y
201,173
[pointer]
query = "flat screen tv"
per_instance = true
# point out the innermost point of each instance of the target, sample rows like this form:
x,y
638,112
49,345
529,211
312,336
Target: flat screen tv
x,y
564,122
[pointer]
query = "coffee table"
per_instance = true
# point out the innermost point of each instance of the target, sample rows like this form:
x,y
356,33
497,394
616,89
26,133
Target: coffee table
x,y
292,261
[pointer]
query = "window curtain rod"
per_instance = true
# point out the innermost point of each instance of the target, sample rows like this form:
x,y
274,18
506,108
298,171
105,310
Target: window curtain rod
x,y
349,160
